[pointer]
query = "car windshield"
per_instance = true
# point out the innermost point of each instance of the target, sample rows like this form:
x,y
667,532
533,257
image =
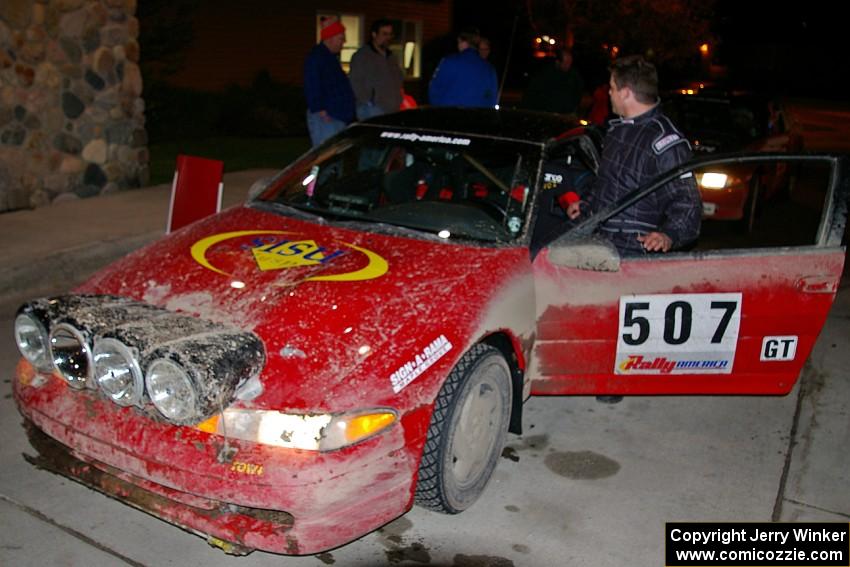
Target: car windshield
x,y
446,184
726,123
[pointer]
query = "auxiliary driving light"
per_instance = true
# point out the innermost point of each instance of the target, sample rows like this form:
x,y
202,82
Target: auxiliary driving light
x,y
171,391
32,341
71,355
117,372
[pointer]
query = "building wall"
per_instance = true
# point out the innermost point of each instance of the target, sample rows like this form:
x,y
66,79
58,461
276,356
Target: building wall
x,y
235,40
71,116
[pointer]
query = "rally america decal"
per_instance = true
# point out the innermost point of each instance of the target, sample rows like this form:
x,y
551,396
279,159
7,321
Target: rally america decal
x,y
429,138
420,363
695,333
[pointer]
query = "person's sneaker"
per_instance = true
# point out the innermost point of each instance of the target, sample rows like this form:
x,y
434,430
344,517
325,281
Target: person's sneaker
x,y
609,399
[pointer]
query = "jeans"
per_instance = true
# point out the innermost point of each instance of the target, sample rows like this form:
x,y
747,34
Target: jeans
x,y
321,130
367,110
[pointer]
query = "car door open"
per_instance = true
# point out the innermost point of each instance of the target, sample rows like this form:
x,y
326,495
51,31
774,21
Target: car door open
x,y
722,320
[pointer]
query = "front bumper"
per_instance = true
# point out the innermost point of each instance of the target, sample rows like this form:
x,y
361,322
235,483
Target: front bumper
x,y
724,204
240,495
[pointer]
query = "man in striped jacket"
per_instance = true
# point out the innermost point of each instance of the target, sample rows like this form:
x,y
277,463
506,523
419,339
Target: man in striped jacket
x,y
640,145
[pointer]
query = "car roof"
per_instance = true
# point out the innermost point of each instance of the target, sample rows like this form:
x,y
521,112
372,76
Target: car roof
x,y
521,125
714,93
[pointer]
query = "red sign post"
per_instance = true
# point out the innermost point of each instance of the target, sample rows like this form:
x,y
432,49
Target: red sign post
x,y
195,192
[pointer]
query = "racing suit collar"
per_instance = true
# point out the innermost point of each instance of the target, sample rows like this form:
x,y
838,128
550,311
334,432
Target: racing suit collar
x,y
639,119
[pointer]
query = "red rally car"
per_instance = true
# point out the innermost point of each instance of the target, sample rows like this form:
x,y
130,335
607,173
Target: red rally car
x,y
719,120
295,372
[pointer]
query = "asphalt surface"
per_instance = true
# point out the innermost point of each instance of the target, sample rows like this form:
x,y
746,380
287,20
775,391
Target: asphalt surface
x,y
587,484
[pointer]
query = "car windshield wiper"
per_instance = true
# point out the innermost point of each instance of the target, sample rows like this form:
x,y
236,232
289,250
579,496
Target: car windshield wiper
x,y
299,211
371,224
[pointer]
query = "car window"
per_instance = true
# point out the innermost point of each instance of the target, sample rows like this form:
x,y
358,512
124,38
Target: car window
x,y
757,205
718,124
568,166
452,185
752,202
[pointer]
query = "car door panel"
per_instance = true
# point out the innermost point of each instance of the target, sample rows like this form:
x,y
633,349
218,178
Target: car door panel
x,y
783,293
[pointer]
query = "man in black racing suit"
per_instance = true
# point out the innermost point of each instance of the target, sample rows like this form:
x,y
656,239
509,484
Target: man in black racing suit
x,y
639,146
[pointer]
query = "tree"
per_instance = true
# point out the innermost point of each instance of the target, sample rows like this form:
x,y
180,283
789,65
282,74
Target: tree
x,y
667,31
165,31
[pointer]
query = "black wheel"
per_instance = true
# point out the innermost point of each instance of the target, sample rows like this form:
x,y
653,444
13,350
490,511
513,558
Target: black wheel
x,y
467,432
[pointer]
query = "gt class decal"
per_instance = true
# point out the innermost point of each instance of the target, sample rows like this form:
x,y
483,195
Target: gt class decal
x,y
689,333
278,250
778,348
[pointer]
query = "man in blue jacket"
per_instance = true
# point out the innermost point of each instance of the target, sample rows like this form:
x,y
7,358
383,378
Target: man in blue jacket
x,y
464,79
330,99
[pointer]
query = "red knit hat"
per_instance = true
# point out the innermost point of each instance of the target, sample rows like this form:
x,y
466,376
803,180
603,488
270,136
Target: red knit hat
x,y
331,28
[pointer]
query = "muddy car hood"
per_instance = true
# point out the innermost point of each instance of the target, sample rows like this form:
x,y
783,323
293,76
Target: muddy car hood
x,y
339,310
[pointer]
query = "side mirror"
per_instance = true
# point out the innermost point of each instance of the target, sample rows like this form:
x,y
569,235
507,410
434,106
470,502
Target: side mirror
x,y
258,187
595,253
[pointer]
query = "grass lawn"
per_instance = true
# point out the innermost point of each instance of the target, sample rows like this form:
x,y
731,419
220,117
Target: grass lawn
x,y
236,153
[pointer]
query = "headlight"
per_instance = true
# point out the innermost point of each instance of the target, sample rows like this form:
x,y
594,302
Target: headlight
x,y
71,355
32,341
117,372
712,180
171,390
311,432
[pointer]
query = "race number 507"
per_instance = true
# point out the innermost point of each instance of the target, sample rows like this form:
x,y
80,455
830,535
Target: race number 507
x,y
695,322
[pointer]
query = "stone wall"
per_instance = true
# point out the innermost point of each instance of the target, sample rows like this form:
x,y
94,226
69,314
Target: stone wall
x,y
71,112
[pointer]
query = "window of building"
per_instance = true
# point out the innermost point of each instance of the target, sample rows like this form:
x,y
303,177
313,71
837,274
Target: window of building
x,y
354,32
407,47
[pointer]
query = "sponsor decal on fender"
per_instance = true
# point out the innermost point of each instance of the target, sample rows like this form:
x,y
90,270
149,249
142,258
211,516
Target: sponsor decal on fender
x,y
276,250
246,468
420,363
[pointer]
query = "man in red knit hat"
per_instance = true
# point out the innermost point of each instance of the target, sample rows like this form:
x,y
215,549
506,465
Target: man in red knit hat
x,y
330,99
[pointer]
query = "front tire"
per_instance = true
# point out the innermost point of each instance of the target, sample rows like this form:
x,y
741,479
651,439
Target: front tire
x,y
467,432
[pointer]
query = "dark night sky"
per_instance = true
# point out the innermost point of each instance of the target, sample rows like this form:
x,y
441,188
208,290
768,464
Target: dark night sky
x,y
800,50
797,50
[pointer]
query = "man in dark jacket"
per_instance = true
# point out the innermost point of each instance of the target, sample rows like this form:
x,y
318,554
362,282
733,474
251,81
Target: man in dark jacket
x,y
557,88
639,146
464,79
375,74
330,100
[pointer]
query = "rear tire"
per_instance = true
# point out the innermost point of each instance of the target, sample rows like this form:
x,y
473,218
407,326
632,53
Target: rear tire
x,y
467,432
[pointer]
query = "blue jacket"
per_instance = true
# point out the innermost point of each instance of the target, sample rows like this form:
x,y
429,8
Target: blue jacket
x,y
464,79
326,86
